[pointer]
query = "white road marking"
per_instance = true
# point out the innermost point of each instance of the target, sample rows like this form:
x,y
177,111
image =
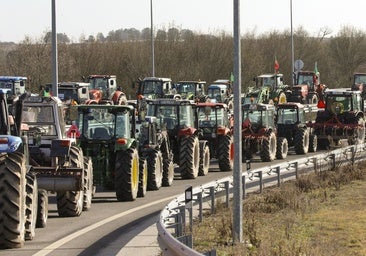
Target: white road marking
x,y
59,243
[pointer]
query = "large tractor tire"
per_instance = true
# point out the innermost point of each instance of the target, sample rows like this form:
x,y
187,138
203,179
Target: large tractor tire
x,y
268,148
226,153
31,202
154,170
12,207
70,203
168,171
301,141
204,164
313,143
189,157
282,148
42,212
143,175
127,175
88,183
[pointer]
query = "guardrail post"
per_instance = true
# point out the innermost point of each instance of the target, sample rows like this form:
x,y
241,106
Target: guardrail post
x,y
333,161
315,162
353,150
212,195
260,176
278,171
200,206
227,192
244,186
296,165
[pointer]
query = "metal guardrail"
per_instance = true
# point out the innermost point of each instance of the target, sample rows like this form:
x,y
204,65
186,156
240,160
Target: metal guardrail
x,y
172,220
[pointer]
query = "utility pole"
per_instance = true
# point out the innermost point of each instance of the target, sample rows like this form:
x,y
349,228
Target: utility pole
x,y
54,52
237,175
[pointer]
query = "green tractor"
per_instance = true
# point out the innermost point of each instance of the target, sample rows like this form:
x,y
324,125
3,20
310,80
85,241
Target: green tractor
x,y
107,135
268,89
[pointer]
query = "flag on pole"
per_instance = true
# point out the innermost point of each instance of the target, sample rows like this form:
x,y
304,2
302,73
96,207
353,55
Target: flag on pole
x,y
276,65
231,77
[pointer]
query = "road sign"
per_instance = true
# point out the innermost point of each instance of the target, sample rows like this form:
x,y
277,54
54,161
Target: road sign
x,y
299,64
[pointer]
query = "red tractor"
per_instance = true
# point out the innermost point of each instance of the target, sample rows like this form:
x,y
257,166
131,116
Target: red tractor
x,y
103,90
177,117
216,124
259,133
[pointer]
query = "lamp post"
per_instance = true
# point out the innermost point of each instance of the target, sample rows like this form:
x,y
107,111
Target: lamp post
x,y
292,48
152,40
54,52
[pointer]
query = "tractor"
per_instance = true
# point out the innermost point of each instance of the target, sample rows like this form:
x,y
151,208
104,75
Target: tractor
x,y
13,85
23,206
292,121
177,117
305,90
192,90
57,161
107,136
340,119
155,88
216,124
104,90
268,89
72,93
259,133
221,91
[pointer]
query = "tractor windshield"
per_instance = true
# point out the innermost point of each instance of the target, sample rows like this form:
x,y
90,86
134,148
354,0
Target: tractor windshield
x,y
287,116
99,83
215,94
67,94
100,124
186,89
39,119
210,117
152,88
305,79
338,103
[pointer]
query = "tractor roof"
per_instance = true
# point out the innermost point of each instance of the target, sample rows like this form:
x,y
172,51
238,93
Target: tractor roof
x,y
161,79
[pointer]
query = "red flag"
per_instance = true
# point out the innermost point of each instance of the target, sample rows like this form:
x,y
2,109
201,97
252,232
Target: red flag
x,y
276,65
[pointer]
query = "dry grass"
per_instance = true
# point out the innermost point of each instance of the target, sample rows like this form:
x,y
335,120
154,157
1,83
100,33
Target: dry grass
x,y
320,214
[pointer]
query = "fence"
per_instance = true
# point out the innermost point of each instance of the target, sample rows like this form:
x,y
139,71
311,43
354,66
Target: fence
x,y
172,220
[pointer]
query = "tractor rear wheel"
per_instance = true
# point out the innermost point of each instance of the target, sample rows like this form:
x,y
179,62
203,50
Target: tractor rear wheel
x,y
269,147
189,157
204,164
12,209
313,143
168,171
88,183
226,153
154,170
31,202
70,203
42,212
282,148
301,141
143,174
127,175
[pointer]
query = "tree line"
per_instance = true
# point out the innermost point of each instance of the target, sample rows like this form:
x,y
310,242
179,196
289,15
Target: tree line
x,y
181,54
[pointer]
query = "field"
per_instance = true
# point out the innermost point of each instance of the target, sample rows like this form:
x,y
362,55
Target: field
x,y
321,214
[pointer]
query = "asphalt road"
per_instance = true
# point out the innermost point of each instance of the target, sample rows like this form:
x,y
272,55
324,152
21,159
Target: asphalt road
x,y
109,224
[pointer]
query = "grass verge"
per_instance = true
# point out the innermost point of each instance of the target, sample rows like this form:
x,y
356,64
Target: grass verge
x,y
318,214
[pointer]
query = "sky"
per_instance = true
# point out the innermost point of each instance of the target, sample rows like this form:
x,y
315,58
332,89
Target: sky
x,y
33,18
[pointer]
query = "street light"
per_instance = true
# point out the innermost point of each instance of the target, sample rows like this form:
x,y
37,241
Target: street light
x,y
152,40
